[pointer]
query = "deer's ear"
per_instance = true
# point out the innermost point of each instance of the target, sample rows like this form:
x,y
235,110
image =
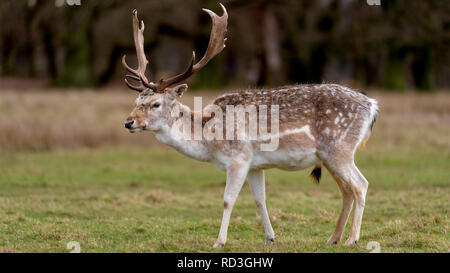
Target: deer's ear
x,y
178,90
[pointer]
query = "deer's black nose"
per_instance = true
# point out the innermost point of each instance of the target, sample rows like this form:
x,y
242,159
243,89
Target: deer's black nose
x,y
128,124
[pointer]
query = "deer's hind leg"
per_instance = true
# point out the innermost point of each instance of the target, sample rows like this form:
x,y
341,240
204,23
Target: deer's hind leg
x,y
359,192
347,203
353,186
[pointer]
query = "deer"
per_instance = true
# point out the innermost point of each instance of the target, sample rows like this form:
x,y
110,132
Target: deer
x,y
320,125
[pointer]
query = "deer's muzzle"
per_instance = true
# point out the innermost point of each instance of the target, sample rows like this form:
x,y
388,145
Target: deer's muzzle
x,y
129,124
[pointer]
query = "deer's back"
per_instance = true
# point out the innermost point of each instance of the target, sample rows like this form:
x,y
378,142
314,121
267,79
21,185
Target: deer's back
x,y
311,118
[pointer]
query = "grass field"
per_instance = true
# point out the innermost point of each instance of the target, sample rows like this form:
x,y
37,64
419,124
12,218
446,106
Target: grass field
x,y
69,172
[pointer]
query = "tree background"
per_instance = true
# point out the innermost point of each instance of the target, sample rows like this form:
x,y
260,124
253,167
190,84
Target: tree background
x,y
398,45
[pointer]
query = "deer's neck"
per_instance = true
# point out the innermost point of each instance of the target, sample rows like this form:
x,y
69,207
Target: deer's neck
x,y
172,135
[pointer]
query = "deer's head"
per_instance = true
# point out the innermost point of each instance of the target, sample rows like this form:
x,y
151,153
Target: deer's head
x,y
153,106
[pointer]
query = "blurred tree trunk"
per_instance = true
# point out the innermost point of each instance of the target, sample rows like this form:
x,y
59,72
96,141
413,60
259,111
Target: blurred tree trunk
x,y
422,69
272,52
29,43
49,49
394,72
86,58
100,78
77,64
8,54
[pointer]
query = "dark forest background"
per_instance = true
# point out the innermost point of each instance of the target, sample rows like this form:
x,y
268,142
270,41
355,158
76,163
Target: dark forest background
x,y
398,45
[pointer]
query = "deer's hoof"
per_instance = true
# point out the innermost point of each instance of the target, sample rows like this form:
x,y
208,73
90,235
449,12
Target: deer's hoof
x,y
269,241
218,245
350,242
333,241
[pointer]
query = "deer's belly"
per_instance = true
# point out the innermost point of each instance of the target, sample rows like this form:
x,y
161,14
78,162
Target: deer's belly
x,y
291,160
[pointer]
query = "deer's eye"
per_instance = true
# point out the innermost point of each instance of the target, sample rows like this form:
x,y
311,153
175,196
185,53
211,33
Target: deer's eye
x,y
156,105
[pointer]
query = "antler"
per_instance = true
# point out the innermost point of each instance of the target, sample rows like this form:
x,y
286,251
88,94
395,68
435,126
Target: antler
x,y
139,73
215,46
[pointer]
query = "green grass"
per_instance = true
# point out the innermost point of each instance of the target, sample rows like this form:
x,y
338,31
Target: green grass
x,y
155,200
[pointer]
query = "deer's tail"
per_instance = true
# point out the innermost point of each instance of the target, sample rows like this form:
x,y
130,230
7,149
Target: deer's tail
x,y
371,122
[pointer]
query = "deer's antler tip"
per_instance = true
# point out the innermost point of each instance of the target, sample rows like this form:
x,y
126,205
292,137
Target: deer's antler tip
x,y
223,8
213,14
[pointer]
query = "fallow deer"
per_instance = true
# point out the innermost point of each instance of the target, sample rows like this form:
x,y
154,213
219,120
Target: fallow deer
x,y
319,125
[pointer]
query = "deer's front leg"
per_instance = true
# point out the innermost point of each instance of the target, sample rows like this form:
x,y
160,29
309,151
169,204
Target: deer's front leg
x,y
236,174
257,185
